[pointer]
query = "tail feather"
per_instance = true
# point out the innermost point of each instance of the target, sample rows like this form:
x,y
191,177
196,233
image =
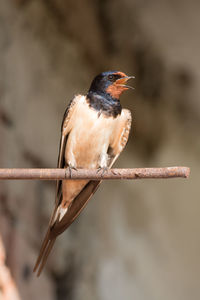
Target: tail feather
x,y
42,249
45,256
57,225
44,253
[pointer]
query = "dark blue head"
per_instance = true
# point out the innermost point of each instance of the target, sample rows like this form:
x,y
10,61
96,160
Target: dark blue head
x,y
110,82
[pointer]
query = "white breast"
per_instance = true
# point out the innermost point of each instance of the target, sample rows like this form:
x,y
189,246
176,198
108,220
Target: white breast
x,y
90,136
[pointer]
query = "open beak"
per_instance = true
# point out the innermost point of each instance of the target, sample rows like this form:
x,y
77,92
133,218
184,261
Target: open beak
x,y
122,82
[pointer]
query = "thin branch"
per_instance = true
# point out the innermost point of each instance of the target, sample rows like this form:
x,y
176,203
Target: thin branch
x,y
54,174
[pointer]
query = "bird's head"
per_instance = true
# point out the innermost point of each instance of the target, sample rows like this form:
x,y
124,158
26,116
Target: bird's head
x,y
111,82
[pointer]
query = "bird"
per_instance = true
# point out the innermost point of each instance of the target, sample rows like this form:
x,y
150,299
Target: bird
x,y
94,131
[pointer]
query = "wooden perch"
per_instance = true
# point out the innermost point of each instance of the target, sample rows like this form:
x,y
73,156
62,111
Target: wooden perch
x,y
55,174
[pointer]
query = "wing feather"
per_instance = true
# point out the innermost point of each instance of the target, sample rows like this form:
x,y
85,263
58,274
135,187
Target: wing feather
x,y
65,129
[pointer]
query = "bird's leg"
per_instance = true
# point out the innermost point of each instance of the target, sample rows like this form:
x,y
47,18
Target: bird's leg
x,y
103,167
103,170
71,162
71,167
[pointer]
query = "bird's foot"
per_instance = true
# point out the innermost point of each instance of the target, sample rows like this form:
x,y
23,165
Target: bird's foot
x,y
70,168
103,170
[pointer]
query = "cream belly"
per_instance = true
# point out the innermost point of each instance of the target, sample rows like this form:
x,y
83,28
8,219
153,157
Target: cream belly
x,y
88,140
87,143
90,137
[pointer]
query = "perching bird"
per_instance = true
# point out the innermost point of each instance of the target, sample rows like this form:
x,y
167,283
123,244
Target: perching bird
x,y
94,132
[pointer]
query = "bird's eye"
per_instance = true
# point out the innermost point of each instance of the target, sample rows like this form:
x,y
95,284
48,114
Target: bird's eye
x,y
111,77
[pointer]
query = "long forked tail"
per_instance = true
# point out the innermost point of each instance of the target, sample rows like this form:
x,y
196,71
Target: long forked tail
x,y
58,227
44,253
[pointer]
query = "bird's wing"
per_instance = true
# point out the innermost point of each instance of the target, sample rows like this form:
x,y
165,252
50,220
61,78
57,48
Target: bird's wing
x,y
65,129
117,144
120,137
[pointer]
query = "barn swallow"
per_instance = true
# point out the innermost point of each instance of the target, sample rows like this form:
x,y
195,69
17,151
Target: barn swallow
x,y
94,132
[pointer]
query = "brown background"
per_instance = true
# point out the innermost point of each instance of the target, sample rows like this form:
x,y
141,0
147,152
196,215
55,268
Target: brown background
x,y
135,240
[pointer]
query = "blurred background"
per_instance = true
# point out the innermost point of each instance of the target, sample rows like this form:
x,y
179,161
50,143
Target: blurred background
x,y
135,239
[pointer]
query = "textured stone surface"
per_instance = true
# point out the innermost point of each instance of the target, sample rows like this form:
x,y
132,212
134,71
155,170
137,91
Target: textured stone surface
x,y
135,239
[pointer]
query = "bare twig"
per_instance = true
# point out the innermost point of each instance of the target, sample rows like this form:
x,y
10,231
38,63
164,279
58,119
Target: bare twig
x,y
54,174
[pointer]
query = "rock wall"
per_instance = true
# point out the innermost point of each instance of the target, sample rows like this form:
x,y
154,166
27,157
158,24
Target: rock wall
x,y
135,240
